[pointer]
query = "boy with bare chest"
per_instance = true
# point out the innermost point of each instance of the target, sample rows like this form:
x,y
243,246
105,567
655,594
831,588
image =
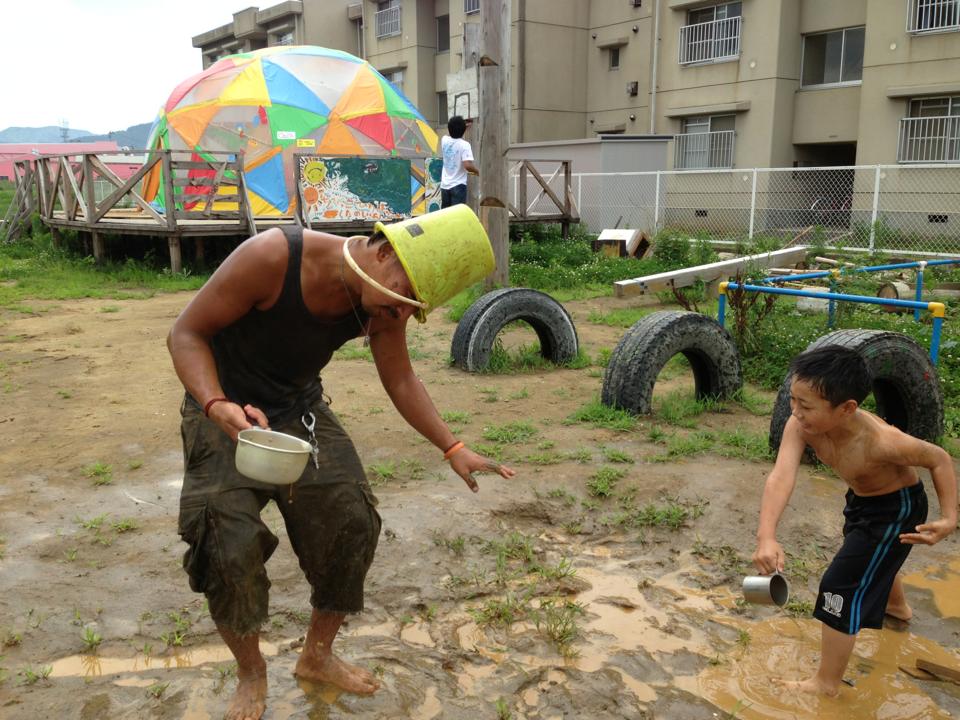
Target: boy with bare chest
x,y
886,512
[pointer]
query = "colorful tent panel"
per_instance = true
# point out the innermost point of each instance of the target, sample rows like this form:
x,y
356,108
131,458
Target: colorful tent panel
x,y
273,104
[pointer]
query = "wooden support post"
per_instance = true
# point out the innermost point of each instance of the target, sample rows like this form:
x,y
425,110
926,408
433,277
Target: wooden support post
x,y
494,85
98,247
198,252
56,237
176,260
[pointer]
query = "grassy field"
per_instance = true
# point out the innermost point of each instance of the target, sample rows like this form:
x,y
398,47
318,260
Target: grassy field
x,y
7,190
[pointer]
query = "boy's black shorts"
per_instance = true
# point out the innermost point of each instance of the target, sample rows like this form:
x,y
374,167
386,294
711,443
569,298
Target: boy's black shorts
x,y
855,588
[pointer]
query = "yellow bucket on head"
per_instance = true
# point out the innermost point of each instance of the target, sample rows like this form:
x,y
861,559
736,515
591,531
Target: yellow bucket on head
x,y
442,253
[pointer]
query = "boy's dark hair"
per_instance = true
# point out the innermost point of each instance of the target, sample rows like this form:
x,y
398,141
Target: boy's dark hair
x,y
837,373
456,126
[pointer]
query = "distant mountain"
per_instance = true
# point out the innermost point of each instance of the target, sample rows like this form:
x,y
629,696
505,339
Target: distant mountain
x,y
134,137
47,134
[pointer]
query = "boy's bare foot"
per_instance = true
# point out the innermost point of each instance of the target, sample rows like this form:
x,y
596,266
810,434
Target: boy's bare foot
x,y
901,612
813,685
250,698
333,670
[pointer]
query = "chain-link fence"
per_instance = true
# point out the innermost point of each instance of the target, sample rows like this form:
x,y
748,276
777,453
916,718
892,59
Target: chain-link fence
x,y
913,208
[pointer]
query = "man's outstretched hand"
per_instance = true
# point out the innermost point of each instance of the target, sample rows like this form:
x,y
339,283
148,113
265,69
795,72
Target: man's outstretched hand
x,y
466,462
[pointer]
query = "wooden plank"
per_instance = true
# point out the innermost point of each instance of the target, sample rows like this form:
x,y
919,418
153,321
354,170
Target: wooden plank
x,y
169,204
201,165
90,191
207,205
111,200
76,198
917,673
545,185
706,273
176,260
941,671
245,202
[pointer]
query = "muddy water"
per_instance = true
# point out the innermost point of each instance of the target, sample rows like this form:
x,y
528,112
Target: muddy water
x,y
785,648
94,665
944,583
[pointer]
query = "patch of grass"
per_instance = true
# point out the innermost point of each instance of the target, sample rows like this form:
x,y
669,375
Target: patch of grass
x,y
521,394
569,499
743,638
125,525
799,608
91,639
381,473
134,464
456,545
557,620
597,414
354,350
744,444
581,455
510,433
503,709
620,317
492,451
65,394
602,482
30,675
110,309
680,408
100,473
490,395
616,456
93,523
12,639
544,458
455,416
671,514
502,611
726,556
157,690
686,445
753,402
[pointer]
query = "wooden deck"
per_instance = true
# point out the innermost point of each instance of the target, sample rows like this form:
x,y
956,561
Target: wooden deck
x,y
62,190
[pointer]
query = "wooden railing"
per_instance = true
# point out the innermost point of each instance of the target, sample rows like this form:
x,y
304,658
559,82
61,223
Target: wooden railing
x,y
562,207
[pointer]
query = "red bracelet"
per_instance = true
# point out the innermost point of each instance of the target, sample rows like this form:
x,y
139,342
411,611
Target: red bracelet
x,y
453,450
210,403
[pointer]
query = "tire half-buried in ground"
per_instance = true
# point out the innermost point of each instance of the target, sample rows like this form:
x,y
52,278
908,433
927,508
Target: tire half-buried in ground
x,y
906,386
477,330
650,343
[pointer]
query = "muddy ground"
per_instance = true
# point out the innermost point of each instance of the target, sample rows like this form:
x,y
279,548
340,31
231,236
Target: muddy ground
x,y
470,601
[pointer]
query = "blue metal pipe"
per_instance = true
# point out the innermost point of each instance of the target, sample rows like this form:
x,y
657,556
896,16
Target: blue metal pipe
x,y
935,339
872,268
829,296
919,293
722,309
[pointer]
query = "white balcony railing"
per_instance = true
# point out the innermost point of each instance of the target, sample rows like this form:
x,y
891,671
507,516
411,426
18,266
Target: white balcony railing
x,y
929,140
712,41
471,6
696,151
387,22
933,16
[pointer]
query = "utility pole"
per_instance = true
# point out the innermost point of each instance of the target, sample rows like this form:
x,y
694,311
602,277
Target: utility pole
x,y
494,85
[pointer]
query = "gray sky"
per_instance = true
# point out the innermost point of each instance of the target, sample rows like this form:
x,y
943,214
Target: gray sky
x,y
100,64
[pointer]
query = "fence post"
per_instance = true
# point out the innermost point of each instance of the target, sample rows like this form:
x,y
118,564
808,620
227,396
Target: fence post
x,y
876,205
656,206
753,203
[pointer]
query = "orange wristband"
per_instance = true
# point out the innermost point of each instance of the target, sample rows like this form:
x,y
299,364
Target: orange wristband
x,y
453,450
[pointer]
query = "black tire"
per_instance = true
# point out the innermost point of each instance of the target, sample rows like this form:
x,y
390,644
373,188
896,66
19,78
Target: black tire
x,y
482,322
906,386
650,343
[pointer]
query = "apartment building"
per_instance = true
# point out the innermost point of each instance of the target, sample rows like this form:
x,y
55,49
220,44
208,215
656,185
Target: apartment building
x,y
751,83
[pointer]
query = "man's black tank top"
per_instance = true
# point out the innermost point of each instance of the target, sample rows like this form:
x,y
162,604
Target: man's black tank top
x,y
272,358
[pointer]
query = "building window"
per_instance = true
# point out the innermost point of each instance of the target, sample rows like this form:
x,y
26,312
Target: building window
x,y
705,142
284,38
712,34
396,79
933,16
931,131
614,58
832,58
442,112
443,33
387,18
471,6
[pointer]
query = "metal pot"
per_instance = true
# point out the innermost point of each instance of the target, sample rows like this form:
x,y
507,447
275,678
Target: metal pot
x,y
271,457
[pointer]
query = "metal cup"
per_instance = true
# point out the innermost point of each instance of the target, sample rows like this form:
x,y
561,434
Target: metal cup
x,y
766,589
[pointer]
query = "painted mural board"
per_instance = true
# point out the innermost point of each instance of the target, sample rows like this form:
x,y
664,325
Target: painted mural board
x,y
351,189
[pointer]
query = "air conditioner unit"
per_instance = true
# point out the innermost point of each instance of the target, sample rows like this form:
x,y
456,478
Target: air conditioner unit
x,y
355,11
634,3
633,88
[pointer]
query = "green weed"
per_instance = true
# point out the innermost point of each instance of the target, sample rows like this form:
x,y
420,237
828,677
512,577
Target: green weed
x,y
799,608
601,483
597,414
557,620
125,525
157,690
31,675
91,639
744,444
510,433
616,456
381,473
100,473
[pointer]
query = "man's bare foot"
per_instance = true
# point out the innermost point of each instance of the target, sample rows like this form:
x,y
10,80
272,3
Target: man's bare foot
x,y
250,699
333,670
810,685
901,612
